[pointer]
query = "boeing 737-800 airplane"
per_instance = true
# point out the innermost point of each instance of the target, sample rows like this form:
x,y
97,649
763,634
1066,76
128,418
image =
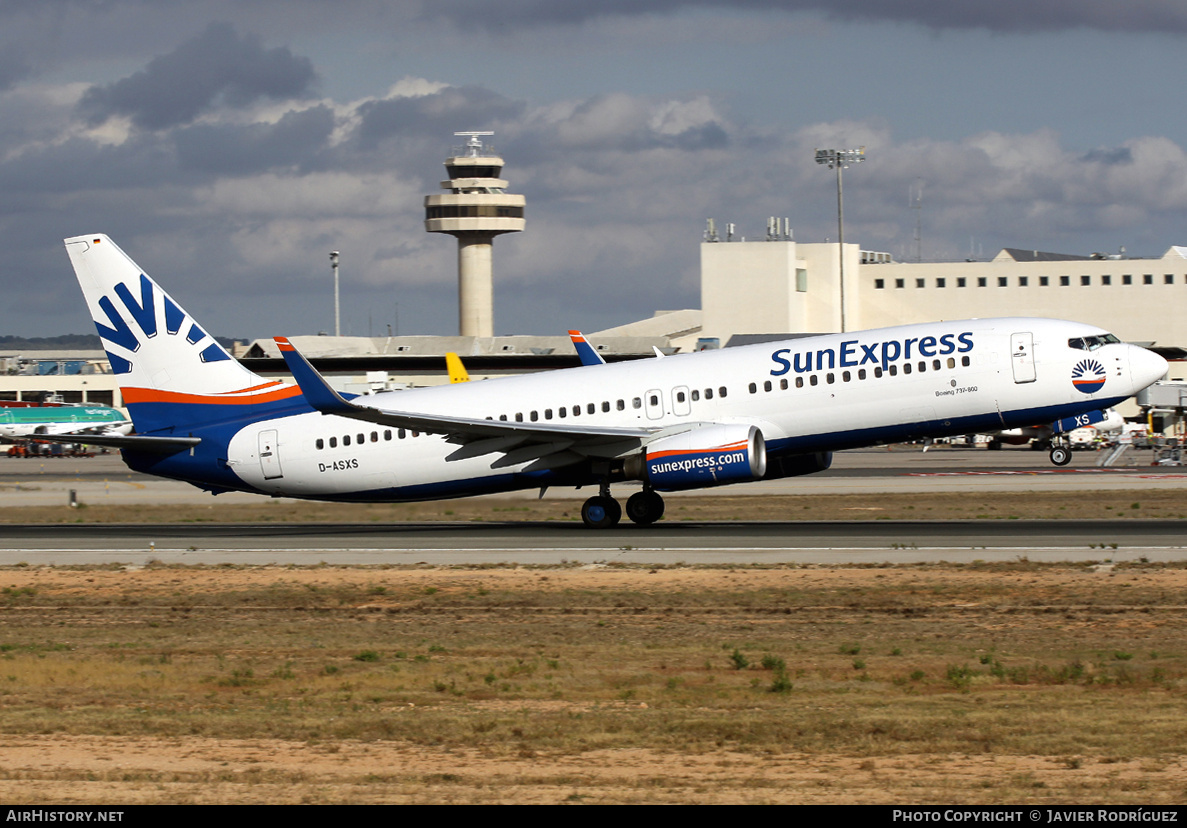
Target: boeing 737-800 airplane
x,y
680,422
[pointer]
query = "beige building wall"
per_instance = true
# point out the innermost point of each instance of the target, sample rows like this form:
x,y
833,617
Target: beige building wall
x,y
775,287
752,287
1139,300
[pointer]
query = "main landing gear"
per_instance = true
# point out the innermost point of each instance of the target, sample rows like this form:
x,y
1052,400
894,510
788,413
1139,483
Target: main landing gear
x,y
603,511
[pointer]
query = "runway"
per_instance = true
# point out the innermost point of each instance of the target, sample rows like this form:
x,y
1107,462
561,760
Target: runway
x,y
554,543
872,471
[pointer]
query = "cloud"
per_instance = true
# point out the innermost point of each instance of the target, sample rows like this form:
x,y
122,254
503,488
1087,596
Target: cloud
x,y
215,66
239,149
1001,15
438,113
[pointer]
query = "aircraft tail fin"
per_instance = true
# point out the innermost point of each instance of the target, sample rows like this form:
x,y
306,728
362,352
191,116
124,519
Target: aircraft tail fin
x,y
173,375
457,371
586,352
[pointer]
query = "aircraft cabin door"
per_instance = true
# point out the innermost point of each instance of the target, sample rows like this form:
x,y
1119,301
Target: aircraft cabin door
x,y
1022,357
270,455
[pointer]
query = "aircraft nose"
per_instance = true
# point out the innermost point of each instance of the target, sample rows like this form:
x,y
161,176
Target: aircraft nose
x,y
1147,367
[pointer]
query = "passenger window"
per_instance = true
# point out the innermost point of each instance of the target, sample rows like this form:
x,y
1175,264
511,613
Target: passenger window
x,y
830,379
519,416
845,377
783,384
861,373
965,361
591,408
721,392
620,405
503,417
387,435
935,364
321,444
753,388
362,438
654,400
708,393
401,434
813,380
906,368
562,412
374,436
766,386
679,396
696,396
577,411
547,413
535,415
951,362
799,382
346,440
893,369
333,442
637,402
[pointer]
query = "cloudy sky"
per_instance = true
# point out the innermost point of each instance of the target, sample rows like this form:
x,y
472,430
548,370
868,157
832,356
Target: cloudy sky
x,y
229,145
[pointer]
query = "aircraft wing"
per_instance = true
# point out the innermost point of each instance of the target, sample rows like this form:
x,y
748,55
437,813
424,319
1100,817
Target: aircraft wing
x,y
518,442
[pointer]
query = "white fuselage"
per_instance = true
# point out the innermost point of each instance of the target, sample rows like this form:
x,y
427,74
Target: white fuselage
x,y
806,395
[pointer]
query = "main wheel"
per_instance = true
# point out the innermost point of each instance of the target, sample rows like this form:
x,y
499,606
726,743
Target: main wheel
x,y
601,512
645,508
1061,455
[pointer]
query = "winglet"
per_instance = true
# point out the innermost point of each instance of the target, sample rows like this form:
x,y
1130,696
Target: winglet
x,y
314,387
585,351
457,371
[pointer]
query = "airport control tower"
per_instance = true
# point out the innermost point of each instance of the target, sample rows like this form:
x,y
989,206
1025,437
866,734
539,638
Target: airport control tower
x,y
474,208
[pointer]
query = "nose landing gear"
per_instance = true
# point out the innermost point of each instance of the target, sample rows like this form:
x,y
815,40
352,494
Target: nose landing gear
x,y
1061,454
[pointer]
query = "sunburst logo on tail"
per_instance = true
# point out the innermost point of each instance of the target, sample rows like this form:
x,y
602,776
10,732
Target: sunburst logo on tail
x,y
143,312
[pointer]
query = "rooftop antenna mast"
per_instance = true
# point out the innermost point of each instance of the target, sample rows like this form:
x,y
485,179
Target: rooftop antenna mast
x,y
474,147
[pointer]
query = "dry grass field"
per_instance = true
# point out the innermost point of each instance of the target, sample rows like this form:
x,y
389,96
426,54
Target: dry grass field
x,y
983,683
889,505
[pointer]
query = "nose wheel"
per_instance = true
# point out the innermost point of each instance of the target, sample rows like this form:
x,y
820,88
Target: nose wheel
x,y
1061,455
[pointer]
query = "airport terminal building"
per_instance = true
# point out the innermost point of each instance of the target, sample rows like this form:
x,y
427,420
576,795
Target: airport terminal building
x,y
767,287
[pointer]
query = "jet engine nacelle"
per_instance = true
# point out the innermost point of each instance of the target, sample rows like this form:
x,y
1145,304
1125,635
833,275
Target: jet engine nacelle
x,y
708,456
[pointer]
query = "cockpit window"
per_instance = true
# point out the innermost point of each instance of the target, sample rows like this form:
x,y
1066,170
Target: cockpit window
x,y
1091,343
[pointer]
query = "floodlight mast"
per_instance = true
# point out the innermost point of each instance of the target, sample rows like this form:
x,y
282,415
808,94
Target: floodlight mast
x,y
337,306
839,159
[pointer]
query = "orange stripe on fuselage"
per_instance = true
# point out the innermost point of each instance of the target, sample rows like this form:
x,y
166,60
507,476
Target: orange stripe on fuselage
x,y
151,395
738,446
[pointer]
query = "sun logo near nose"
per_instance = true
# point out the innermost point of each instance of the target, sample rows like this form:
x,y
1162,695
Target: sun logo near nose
x,y
1088,376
